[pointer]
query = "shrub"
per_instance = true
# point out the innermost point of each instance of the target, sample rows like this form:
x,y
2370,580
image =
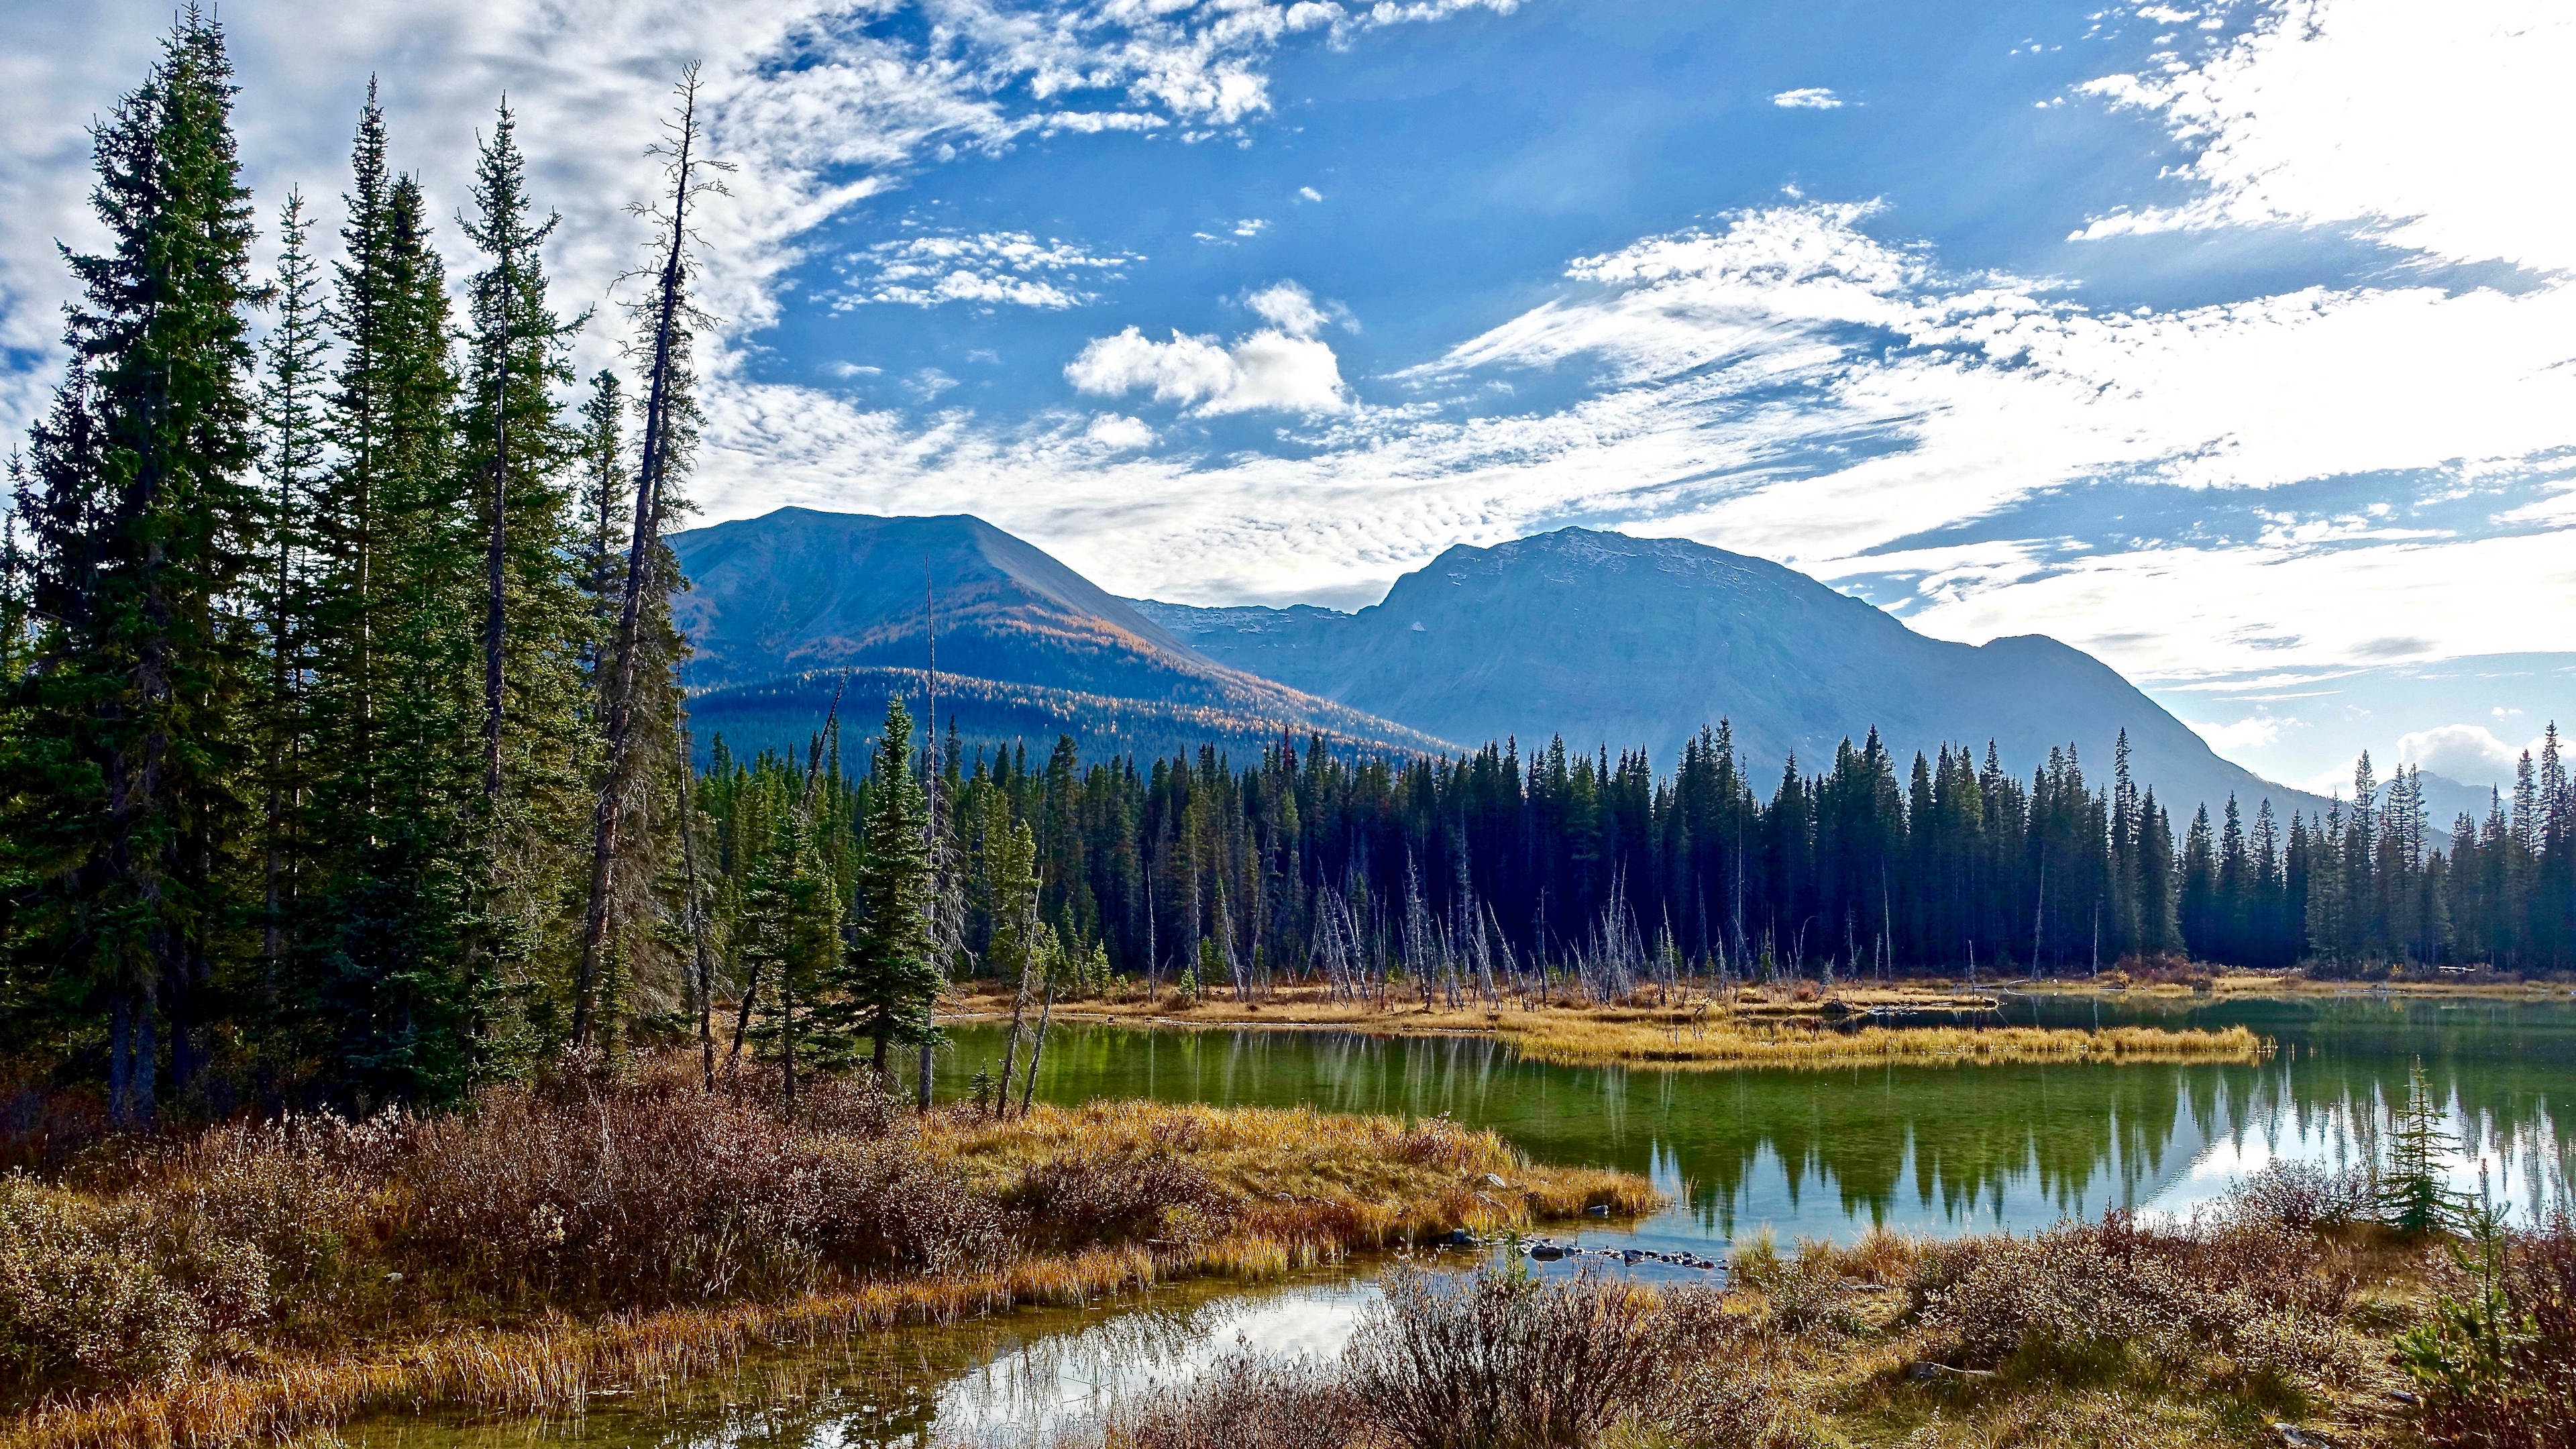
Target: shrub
x,y
2236,1304
660,1193
80,1297
1243,1402
2302,1196
2500,1367
1074,1201
1505,1362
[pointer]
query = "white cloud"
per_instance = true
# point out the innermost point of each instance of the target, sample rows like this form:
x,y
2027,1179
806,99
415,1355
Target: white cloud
x,y
1004,267
1808,98
820,109
1309,193
1269,370
1288,307
2252,732
1120,433
2436,129
2470,754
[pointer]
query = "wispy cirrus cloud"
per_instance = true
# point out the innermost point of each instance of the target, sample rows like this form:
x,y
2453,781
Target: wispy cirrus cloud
x,y
2418,128
1008,268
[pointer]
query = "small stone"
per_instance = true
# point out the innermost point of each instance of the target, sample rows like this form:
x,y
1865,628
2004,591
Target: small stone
x,y
1495,1180
1597,1210
1546,1252
2298,1438
2403,1397
393,1277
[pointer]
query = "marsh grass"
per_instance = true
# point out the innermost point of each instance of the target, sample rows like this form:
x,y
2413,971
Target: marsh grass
x,y
1685,1029
2119,1332
258,1282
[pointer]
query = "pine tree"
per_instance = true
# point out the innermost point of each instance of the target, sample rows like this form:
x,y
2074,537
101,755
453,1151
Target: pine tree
x,y
2200,888
892,972
785,937
2414,1198
131,761
291,420
537,628
603,487
394,983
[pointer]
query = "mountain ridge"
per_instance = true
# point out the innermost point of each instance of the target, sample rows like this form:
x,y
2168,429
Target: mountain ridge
x,y
799,592
1517,639
1597,637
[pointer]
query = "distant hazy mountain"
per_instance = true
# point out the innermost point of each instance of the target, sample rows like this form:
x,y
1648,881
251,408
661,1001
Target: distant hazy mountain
x,y
2446,800
779,605
1604,638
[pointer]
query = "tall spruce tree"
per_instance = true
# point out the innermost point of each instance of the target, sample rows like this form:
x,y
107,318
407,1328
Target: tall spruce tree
x,y
131,759
892,971
291,421
393,982
537,628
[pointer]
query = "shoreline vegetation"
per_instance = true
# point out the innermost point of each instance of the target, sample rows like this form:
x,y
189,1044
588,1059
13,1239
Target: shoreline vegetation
x,y
1680,1028
2289,1313
255,1282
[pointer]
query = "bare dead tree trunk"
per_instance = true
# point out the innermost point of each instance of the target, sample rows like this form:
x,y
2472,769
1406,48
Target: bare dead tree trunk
x,y
639,552
1011,1047
1037,1050
704,975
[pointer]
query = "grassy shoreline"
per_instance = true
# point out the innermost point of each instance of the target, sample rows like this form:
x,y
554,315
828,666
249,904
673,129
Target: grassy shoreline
x,y
1062,1206
2292,986
1685,1029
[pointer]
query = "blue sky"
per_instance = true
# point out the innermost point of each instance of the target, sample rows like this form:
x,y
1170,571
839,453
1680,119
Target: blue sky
x,y
2232,342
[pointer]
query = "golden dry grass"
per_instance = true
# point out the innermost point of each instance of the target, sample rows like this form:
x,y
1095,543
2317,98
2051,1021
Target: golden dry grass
x,y
1693,1030
1582,1042
1306,1187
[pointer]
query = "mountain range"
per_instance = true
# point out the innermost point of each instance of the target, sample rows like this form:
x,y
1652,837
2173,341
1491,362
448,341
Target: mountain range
x,y
780,607
1597,637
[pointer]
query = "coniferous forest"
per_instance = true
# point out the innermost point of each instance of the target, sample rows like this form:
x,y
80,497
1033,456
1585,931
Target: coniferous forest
x,y
346,758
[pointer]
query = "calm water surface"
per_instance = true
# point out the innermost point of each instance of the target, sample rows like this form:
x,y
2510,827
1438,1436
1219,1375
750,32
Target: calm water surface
x,y
1942,1150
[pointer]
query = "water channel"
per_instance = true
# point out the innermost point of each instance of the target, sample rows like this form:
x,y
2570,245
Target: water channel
x,y
1941,1150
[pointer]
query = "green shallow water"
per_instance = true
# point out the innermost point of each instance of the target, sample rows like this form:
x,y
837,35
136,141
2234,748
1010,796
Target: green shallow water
x,y
1939,1149
1943,1150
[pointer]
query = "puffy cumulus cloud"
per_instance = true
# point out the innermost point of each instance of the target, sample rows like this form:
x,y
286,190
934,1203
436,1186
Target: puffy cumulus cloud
x,y
1283,367
2437,129
1119,433
1288,307
2468,753
1270,369
1010,268
1808,98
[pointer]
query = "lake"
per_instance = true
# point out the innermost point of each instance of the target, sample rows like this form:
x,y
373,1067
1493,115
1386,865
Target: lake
x,y
1942,1150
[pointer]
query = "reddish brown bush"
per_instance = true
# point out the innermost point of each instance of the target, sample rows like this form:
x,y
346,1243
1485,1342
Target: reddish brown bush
x,y
1243,1403
662,1193
1500,1362
1075,1201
